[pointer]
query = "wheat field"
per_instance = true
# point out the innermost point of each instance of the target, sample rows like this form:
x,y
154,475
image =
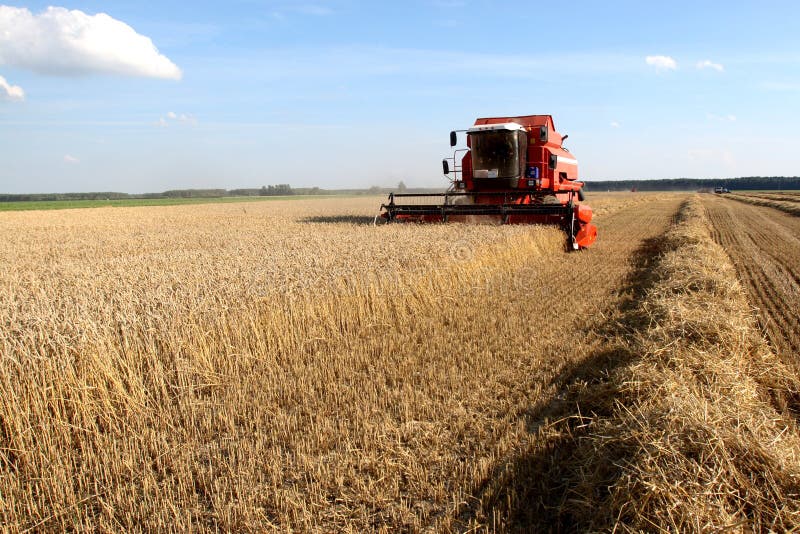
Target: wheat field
x,y
288,366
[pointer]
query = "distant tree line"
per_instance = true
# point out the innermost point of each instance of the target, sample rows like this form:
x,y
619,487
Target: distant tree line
x,y
264,191
64,196
672,184
692,184
270,190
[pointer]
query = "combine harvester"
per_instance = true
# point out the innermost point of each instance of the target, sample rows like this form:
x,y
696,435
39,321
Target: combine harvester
x,y
515,171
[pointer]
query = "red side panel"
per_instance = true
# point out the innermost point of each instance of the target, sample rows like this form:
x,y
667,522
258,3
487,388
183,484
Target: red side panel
x,y
583,213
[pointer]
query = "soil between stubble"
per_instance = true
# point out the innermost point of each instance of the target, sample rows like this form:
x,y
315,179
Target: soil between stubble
x,y
764,246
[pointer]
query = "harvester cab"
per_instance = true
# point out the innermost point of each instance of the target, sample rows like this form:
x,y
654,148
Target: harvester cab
x,y
514,170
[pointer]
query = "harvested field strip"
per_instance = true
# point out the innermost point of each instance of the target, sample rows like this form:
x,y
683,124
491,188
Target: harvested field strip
x,y
192,397
688,426
788,205
764,246
782,197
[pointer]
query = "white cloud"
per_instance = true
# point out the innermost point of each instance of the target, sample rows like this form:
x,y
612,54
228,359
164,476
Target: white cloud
x,y
62,42
187,119
172,117
356,62
11,92
708,64
614,124
71,159
661,63
280,17
314,10
724,118
318,11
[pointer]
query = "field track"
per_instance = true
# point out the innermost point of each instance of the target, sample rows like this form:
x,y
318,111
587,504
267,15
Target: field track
x,y
764,245
597,289
350,413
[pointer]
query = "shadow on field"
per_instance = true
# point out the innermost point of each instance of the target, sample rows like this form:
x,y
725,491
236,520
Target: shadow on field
x,y
360,220
560,485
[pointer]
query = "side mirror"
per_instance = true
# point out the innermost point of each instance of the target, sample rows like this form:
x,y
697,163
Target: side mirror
x,y
453,139
445,167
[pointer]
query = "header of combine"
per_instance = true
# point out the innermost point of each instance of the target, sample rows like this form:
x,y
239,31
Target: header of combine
x,y
514,170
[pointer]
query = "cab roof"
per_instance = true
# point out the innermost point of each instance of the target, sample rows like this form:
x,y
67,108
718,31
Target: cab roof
x,y
509,126
528,121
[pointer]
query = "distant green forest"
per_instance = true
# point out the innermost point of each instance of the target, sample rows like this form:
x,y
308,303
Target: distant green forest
x,y
280,190
749,183
271,190
177,196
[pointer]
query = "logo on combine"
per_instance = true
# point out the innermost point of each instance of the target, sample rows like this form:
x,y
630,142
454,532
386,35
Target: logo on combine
x,y
461,251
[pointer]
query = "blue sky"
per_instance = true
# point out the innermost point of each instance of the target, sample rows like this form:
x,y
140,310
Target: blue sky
x,y
353,94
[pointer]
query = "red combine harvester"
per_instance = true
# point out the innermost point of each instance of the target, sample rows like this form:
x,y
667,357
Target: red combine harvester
x,y
514,170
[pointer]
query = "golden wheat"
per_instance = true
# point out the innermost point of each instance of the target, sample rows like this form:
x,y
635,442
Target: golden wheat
x,y
288,366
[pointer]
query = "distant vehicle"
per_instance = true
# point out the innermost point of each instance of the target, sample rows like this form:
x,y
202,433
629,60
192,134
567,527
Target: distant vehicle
x,y
721,190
